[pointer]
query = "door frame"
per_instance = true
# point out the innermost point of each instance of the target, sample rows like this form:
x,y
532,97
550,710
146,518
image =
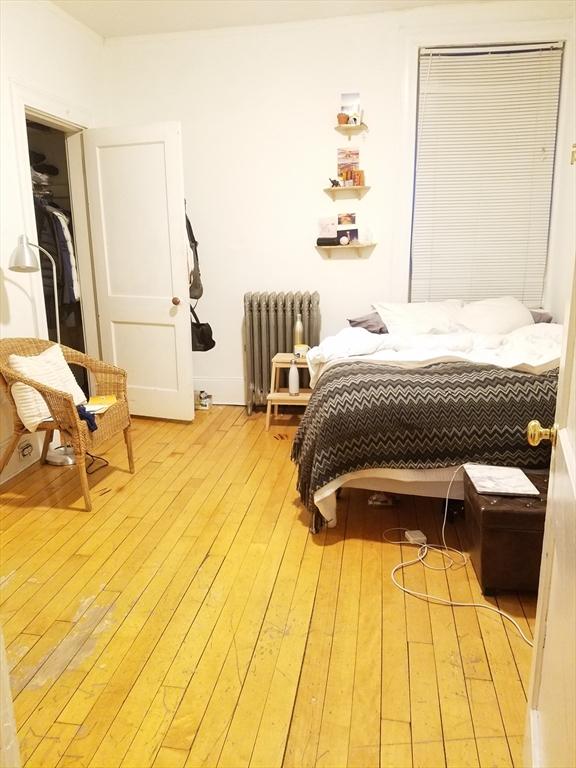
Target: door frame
x,y
71,119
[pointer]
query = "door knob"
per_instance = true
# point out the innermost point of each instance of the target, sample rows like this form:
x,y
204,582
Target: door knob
x,y
535,433
175,300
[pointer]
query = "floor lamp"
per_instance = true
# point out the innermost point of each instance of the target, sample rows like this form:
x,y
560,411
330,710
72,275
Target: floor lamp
x,y
24,259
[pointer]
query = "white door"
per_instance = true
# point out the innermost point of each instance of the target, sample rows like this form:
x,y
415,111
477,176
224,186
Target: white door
x,y
135,194
551,721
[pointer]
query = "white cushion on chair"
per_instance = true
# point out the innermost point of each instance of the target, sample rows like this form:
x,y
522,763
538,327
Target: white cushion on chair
x,y
49,368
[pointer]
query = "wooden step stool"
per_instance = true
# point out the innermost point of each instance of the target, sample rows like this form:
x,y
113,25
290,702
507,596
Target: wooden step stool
x,y
280,396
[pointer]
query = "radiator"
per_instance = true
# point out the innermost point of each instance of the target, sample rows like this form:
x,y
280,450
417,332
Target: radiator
x,y
268,327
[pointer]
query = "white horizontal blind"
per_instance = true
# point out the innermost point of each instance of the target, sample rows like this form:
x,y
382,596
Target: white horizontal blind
x,y
484,163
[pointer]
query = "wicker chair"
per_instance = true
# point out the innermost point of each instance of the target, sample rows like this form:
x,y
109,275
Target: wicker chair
x,y
110,380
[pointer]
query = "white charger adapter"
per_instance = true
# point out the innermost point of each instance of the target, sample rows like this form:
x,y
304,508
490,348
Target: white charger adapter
x,y
415,537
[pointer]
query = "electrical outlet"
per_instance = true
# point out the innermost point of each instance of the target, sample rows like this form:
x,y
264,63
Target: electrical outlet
x,y
25,450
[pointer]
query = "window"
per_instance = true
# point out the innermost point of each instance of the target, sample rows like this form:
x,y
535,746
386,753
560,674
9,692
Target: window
x,y
486,136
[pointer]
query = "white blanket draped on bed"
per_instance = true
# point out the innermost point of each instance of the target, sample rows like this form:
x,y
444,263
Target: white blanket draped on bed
x,y
533,348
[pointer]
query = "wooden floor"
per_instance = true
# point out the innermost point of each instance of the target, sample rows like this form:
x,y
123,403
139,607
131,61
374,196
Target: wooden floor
x,y
191,620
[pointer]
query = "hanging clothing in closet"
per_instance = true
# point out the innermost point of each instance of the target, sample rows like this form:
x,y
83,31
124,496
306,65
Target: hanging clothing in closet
x,y
55,235
51,191
53,226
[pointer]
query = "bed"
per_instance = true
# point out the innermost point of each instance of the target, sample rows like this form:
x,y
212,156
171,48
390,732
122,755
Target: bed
x,y
401,412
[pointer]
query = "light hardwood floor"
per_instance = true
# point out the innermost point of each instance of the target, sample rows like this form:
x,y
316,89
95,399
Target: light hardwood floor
x,y
190,619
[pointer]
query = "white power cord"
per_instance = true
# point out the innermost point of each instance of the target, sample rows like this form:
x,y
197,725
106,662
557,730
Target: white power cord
x,y
414,538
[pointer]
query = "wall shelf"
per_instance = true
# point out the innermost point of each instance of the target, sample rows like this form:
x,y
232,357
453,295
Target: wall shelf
x,y
345,250
351,130
335,192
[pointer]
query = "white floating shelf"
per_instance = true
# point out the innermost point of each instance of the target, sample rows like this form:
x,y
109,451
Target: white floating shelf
x,y
351,130
358,247
335,192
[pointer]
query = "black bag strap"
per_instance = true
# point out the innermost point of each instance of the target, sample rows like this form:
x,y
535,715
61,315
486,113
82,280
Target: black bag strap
x,y
191,239
193,244
194,315
195,289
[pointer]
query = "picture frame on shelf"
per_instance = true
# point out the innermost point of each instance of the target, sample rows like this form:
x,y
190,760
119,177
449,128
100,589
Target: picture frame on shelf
x,y
350,233
350,105
327,227
348,160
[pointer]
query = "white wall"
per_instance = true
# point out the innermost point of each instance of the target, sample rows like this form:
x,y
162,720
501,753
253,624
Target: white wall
x,y
258,107
49,62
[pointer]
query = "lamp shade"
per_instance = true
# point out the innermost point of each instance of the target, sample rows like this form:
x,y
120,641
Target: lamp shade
x,y
23,258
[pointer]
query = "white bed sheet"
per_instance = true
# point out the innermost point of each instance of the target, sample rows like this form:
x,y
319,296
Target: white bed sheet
x,y
533,348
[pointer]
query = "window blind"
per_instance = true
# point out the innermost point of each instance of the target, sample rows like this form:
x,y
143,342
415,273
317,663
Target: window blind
x,y
485,143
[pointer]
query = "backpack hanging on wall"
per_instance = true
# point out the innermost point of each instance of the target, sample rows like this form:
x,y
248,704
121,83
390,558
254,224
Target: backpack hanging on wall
x,y
196,288
202,337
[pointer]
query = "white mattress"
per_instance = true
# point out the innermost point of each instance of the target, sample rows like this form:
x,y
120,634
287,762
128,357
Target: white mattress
x,y
416,482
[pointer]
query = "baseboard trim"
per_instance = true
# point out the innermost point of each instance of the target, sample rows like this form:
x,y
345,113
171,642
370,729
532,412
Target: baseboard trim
x,y
16,465
224,390
532,740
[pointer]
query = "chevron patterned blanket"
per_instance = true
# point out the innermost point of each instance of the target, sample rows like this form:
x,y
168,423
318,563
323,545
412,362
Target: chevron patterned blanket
x,y
364,415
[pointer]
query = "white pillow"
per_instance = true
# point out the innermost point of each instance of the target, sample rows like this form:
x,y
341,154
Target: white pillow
x,y
49,368
420,317
501,315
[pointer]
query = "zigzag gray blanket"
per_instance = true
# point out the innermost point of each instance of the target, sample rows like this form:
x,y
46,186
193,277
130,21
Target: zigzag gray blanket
x,y
364,415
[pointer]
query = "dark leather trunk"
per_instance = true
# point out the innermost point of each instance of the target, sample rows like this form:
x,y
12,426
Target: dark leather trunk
x,y
505,536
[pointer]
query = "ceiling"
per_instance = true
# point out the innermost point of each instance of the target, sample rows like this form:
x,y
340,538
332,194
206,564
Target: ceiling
x,y
118,18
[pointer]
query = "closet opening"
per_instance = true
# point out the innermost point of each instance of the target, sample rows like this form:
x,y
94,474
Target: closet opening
x,y
49,177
